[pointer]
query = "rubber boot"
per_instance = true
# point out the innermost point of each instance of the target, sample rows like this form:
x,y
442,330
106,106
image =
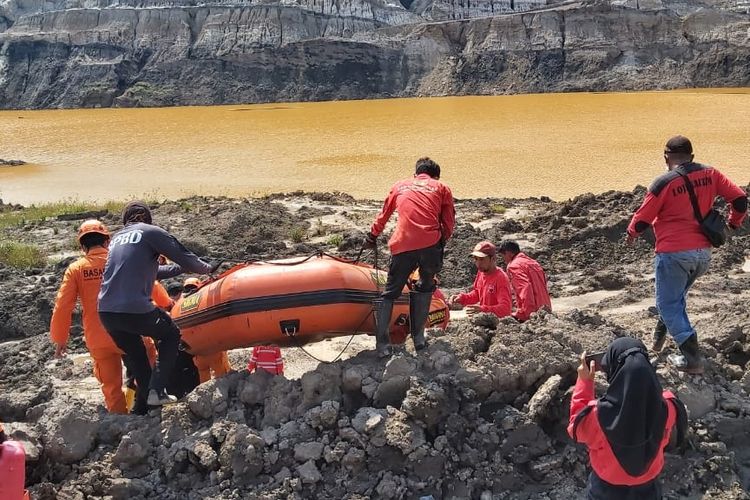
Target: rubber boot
x,y
691,360
660,336
419,309
383,311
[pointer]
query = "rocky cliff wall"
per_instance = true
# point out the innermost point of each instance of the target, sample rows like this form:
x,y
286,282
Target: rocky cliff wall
x,y
307,50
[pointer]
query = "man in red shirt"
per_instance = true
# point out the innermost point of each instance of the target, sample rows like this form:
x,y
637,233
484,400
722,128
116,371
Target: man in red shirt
x,y
683,252
528,280
491,290
426,218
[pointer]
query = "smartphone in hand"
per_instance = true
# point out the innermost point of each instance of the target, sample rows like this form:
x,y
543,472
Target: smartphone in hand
x,y
596,357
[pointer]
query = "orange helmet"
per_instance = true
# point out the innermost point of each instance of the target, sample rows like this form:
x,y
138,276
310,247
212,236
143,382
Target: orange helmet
x,y
92,226
191,282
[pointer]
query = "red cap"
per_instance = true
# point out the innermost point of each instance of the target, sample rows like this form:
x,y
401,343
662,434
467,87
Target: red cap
x,y
484,249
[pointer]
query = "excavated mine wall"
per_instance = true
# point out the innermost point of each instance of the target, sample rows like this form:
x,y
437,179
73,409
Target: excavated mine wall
x,y
137,54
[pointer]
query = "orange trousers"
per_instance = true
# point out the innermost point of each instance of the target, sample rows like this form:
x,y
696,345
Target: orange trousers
x,y
217,363
108,371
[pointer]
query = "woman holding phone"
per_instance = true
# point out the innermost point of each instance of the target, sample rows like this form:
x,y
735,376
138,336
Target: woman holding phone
x,y
627,429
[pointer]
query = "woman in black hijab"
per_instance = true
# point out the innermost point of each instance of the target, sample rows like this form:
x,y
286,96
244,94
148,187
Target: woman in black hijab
x,y
627,429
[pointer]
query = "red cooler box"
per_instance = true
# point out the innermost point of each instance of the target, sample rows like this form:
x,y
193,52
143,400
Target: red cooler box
x,y
12,471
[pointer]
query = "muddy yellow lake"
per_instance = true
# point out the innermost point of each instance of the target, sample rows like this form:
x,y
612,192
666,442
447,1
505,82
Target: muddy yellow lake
x,y
558,145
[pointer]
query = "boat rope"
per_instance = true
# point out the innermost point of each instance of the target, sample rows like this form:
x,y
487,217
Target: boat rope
x,y
338,356
320,253
356,330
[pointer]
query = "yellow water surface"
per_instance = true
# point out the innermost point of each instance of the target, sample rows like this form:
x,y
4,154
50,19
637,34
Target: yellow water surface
x,y
558,145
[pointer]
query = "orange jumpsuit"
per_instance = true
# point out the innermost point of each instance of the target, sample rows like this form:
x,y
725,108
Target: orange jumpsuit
x,y
82,280
218,363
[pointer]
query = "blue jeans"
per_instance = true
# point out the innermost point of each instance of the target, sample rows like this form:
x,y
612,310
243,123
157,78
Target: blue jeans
x,y
675,274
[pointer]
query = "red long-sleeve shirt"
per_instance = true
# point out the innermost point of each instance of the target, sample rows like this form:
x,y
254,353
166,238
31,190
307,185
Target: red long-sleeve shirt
x,y
268,358
425,214
491,291
667,206
529,285
589,432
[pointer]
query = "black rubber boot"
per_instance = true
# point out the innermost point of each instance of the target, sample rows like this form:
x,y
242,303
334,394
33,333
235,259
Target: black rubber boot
x,y
691,360
419,309
383,311
660,336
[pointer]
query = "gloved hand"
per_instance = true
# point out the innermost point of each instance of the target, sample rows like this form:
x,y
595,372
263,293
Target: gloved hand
x,y
371,241
215,265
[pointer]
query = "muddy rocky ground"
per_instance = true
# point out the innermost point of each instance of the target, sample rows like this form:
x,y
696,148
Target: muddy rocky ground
x,y
481,414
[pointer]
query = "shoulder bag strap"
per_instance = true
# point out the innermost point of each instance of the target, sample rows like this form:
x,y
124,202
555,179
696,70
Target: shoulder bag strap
x,y
693,198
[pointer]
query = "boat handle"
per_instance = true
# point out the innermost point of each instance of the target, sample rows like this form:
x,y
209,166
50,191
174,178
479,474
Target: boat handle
x,y
289,327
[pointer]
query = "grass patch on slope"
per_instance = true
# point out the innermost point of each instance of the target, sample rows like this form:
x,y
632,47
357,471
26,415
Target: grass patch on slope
x,y
43,211
21,255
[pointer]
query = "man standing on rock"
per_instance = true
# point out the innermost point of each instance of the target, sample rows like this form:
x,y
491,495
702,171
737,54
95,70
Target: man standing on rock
x,y
426,219
683,252
491,290
125,306
528,280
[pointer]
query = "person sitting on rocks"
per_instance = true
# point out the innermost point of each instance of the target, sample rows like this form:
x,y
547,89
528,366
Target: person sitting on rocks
x,y
125,306
216,364
268,358
627,429
527,279
491,290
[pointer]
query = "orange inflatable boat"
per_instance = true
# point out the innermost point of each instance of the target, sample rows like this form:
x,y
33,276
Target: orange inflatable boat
x,y
290,302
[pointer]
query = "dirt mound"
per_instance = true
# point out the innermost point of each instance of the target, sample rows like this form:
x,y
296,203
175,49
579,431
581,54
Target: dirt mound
x,y
480,414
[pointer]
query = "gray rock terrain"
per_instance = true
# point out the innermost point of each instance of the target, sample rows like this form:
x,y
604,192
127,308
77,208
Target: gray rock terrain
x,y
94,53
480,414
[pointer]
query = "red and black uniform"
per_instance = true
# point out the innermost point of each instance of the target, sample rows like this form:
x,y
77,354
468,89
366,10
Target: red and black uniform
x,y
586,429
627,429
530,286
426,214
667,206
426,219
491,291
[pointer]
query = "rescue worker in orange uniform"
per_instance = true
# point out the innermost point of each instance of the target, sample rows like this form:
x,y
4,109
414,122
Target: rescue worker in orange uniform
x,y
82,280
268,358
216,364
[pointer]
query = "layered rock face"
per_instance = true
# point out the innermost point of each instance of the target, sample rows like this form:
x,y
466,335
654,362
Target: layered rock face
x,y
148,53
